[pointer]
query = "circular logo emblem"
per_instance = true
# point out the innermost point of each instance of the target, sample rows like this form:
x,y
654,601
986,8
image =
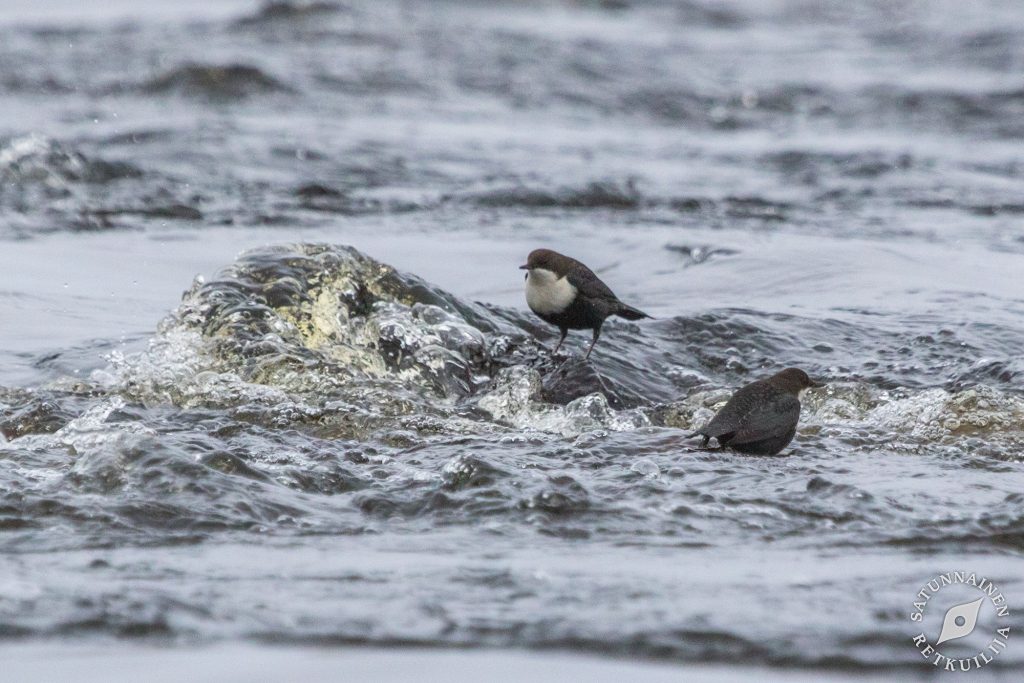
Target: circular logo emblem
x,y
962,621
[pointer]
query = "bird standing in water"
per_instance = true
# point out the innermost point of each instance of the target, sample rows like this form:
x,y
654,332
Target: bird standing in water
x,y
760,418
564,292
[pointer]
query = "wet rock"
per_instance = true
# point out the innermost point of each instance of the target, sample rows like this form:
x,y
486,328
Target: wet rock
x,y
576,378
32,415
35,159
756,208
328,338
172,211
595,195
215,82
289,11
317,191
692,204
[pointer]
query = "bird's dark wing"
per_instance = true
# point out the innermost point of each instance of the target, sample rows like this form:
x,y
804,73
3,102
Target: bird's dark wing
x,y
729,419
589,284
772,417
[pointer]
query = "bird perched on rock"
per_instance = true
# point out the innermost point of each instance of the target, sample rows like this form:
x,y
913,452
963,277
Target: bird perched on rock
x,y
567,294
760,418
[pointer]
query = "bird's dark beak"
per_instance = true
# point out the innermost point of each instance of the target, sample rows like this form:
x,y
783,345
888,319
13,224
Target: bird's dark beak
x,y
817,385
524,267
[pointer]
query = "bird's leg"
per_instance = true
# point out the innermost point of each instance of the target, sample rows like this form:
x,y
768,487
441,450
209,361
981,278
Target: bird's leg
x,y
597,333
565,331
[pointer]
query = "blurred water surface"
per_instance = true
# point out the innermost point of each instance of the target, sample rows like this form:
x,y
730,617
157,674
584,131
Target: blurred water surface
x,y
370,444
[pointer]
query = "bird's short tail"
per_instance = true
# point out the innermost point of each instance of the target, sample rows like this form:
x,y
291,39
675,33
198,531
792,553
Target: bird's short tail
x,y
630,313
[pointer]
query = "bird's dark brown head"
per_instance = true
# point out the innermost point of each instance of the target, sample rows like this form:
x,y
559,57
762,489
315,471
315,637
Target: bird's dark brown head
x,y
548,260
792,380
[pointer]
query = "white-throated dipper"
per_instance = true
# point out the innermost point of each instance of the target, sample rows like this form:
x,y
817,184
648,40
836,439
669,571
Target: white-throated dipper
x,y
760,418
567,294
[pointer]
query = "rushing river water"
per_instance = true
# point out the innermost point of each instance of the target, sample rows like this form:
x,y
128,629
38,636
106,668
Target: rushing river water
x,y
350,430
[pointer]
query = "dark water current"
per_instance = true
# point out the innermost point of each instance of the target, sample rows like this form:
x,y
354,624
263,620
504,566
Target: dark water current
x,y
371,444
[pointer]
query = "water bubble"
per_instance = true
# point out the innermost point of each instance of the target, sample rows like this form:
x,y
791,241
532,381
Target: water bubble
x,y
646,467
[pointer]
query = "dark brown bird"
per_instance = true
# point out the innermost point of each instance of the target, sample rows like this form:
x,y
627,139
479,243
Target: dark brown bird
x,y
567,294
760,418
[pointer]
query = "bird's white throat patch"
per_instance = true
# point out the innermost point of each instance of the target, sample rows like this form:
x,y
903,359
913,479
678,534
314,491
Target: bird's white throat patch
x,y
546,293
